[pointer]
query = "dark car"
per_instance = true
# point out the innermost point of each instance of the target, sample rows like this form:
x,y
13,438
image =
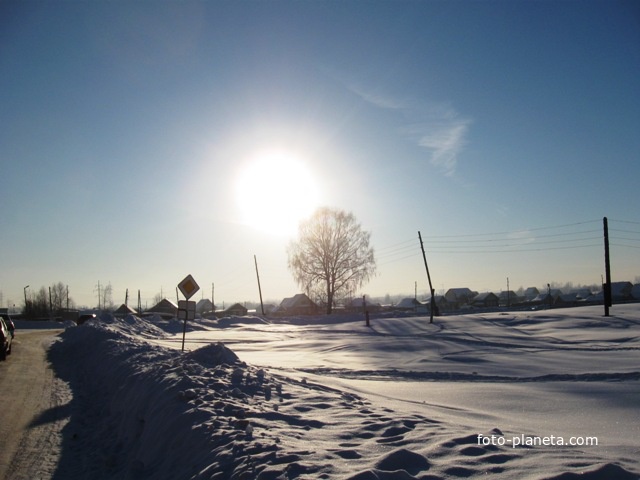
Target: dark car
x,y
83,318
5,339
9,322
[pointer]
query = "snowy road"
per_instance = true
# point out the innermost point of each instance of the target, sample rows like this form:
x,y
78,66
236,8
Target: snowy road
x,y
32,413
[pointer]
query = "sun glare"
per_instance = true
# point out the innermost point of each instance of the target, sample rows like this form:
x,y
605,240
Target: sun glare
x,y
274,192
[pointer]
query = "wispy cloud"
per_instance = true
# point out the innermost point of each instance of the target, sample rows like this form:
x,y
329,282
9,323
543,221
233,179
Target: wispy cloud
x,y
523,236
377,99
437,128
444,140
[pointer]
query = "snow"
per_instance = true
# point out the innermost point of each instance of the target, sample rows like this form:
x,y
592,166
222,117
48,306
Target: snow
x,y
329,397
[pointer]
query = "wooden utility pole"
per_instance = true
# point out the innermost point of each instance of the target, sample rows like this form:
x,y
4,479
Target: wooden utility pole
x,y
424,256
606,288
259,288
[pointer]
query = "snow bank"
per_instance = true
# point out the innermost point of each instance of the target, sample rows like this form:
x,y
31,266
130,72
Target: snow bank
x,y
144,411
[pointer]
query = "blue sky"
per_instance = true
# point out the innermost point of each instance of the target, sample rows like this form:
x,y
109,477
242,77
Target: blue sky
x,y
503,131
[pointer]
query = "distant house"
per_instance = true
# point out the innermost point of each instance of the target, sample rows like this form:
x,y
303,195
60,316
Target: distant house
x,y
531,293
508,298
164,308
485,300
583,293
442,303
459,297
355,305
566,300
124,310
621,291
205,306
235,310
635,291
299,304
542,299
409,304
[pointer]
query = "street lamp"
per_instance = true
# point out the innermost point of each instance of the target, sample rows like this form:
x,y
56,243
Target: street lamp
x,y
25,296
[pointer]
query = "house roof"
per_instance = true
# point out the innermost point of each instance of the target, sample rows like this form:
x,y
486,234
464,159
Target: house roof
x,y
204,304
357,302
408,303
481,297
236,306
457,293
296,300
164,304
124,309
621,289
531,292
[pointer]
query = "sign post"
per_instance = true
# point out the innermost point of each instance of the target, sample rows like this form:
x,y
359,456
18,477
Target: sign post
x,y
187,309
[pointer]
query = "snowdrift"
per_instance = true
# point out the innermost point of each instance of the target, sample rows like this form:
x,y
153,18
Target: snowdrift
x,y
141,410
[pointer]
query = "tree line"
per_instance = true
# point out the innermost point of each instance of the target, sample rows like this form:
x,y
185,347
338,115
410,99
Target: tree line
x,y
46,302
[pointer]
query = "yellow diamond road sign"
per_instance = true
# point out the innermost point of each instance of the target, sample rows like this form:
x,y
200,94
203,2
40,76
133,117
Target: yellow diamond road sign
x,y
188,287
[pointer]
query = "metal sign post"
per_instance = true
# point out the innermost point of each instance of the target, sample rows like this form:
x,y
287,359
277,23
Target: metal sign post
x,y
187,309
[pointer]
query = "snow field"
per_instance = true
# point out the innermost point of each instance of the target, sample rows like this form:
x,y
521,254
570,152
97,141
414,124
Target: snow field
x,y
314,398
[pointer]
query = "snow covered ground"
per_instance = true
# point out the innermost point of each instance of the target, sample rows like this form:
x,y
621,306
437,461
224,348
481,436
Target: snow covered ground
x,y
502,394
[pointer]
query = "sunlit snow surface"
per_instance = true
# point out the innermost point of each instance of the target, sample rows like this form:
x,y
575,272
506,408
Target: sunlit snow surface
x,y
329,397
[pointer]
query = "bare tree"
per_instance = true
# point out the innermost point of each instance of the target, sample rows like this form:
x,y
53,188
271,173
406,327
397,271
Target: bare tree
x,y
107,297
59,295
332,254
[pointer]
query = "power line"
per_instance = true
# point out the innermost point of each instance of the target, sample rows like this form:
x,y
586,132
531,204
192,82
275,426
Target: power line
x,y
512,232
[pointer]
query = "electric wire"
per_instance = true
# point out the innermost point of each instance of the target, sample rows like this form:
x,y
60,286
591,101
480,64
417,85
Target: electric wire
x,y
516,241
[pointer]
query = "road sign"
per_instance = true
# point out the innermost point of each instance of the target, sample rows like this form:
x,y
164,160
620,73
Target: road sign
x,y
188,287
186,310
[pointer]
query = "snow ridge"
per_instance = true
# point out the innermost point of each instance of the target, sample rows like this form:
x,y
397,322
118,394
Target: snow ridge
x,y
144,411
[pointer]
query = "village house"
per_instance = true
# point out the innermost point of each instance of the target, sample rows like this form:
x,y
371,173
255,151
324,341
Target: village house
x,y
485,300
299,304
508,298
124,310
235,310
460,297
164,308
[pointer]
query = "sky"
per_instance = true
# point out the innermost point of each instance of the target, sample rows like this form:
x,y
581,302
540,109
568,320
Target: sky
x,y
144,141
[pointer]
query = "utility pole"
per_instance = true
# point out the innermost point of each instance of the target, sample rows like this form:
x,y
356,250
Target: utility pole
x,y
607,269
259,288
126,298
213,297
139,302
424,256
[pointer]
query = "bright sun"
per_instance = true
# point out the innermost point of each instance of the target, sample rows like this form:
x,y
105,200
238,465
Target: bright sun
x,y
274,192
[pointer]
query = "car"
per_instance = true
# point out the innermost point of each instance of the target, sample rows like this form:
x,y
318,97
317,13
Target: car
x,y
83,318
5,340
10,324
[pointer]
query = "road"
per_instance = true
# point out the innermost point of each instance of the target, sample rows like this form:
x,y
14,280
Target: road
x,y
32,412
